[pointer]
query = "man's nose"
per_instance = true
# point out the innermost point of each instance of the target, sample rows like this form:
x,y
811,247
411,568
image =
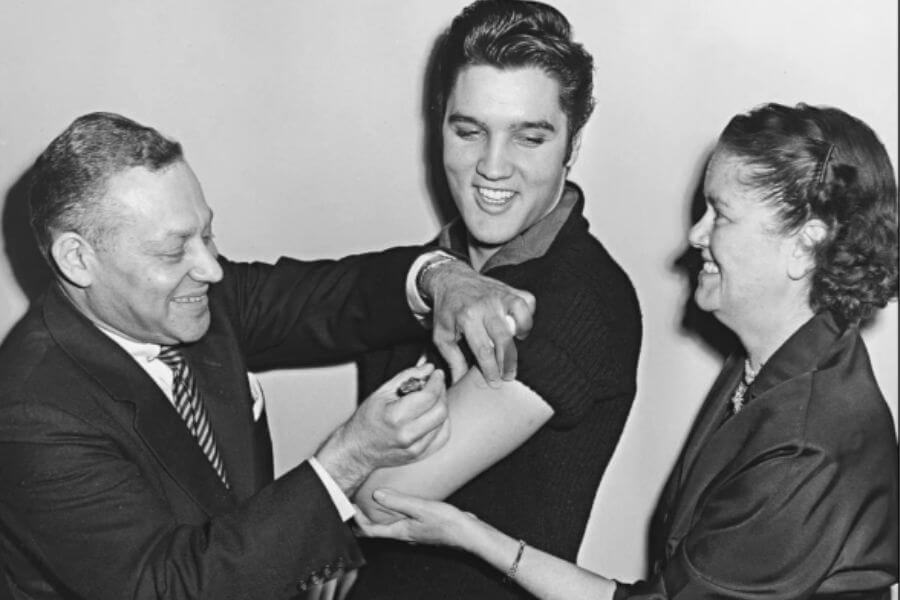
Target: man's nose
x,y
207,268
494,163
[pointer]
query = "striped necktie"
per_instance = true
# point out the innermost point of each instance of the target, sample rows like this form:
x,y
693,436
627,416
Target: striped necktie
x,y
190,407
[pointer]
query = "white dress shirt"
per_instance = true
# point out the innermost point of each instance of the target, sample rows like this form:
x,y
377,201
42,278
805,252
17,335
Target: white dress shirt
x,y
145,355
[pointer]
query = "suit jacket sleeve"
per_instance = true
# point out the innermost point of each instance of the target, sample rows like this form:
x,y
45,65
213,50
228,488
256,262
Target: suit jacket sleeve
x,y
94,505
299,313
92,519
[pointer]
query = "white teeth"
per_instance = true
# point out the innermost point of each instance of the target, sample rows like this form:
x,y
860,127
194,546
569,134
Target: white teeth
x,y
495,195
710,267
190,299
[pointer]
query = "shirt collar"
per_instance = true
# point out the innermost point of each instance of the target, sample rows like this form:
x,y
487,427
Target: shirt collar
x,y
140,351
531,243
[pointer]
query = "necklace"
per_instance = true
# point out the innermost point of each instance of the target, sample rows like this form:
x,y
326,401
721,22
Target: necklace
x,y
737,400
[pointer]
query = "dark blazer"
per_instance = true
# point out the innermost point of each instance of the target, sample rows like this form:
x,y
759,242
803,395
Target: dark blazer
x,y
793,497
104,494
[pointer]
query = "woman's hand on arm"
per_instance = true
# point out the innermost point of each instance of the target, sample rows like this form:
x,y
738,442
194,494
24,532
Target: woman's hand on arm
x,y
438,523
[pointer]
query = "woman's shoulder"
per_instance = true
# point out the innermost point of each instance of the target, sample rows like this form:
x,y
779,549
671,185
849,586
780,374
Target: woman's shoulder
x,y
846,405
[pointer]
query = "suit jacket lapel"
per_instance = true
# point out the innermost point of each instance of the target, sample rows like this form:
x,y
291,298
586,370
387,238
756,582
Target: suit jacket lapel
x,y
139,404
221,376
681,492
712,413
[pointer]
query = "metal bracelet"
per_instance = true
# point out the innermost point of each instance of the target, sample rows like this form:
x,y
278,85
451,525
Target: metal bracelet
x,y
514,567
431,264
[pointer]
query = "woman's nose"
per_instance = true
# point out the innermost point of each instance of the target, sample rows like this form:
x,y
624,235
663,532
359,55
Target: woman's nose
x,y
698,235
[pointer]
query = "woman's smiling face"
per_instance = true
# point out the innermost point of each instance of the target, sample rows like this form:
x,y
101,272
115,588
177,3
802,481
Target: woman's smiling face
x,y
745,253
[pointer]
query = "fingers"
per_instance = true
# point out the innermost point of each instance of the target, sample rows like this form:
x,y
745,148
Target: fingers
x,y
333,589
415,404
431,441
483,347
328,590
395,530
423,426
345,583
504,346
394,383
441,438
322,591
454,356
410,506
510,362
360,518
415,419
521,309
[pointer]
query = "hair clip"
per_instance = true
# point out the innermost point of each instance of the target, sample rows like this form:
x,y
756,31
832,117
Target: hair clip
x,y
824,168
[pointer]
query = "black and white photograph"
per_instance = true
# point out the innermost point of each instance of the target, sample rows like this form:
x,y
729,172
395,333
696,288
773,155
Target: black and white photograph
x,y
449,300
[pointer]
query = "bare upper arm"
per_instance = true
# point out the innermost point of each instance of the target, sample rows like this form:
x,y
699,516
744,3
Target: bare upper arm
x,y
485,424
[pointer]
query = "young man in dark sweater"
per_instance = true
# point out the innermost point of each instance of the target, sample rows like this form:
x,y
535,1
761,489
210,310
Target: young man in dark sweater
x,y
525,455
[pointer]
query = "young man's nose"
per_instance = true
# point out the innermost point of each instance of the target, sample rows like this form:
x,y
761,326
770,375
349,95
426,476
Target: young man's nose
x,y
494,163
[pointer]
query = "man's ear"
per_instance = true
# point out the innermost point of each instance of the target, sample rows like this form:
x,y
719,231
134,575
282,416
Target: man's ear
x,y
576,146
806,240
72,253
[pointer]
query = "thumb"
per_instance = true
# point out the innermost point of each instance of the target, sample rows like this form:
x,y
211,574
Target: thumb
x,y
410,506
529,299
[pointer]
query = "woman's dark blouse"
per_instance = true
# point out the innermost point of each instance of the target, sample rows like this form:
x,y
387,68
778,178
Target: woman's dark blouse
x,y
581,358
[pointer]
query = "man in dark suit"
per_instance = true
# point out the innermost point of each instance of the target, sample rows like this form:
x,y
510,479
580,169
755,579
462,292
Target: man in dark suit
x,y
105,490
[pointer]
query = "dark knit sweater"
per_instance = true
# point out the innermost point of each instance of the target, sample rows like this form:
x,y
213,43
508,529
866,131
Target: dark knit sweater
x,y
581,358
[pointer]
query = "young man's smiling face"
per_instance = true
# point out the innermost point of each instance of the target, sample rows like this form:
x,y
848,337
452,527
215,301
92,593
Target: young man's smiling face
x,y
505,145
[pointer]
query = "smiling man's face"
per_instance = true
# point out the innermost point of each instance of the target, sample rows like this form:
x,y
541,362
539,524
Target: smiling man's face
x,y
149,280
505,146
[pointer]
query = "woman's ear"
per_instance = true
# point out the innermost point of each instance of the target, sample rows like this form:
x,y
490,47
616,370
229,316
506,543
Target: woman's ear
x,y
70,254
806,240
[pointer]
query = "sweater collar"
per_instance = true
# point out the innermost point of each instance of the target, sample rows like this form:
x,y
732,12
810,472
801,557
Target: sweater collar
x,y
530,244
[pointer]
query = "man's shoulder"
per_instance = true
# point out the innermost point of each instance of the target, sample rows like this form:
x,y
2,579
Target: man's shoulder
x,y
581,267
29,356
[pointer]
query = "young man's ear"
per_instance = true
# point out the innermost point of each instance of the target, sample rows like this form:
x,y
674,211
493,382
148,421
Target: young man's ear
x,y
803,258
573,152
71,254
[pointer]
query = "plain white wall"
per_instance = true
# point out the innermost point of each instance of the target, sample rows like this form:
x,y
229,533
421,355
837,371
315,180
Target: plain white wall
x,y
303,121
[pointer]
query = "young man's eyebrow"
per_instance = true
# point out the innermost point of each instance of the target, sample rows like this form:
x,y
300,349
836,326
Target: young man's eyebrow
x,y
518,126
460,118
542,124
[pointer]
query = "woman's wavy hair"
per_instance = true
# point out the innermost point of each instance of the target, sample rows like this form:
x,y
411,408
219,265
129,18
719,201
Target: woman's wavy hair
x,y
519,33
817,162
